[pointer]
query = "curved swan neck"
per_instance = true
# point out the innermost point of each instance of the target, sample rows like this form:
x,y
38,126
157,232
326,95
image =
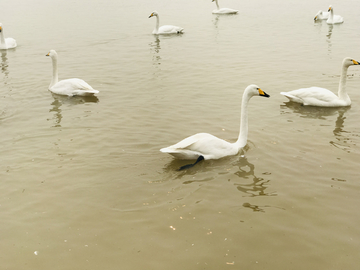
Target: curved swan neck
x,y
342,85
55,78
242,139
2,40
217,4
156,30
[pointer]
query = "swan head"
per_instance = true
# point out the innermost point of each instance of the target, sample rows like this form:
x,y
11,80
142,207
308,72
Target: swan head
x,y
52,53
254,90
350,62
330,9
317,15
153,14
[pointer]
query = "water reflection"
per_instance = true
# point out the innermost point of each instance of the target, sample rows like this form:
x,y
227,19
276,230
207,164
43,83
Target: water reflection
x,y
256,186
310,111
59,100
342,137
329,38
4,64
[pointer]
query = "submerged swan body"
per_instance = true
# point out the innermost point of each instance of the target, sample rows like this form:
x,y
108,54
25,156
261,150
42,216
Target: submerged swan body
x,y
316,96
6,43
223,10
211,147
321,15
165,29
334,19
69,87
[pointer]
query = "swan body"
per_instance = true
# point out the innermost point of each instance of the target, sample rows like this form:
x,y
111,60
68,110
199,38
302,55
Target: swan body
x,y
334,19
69,87
316,96
223,10
321,15
211,147
6,43
165,29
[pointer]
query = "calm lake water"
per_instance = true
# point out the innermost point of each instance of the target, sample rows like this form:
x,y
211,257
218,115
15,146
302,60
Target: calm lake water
x,y
84,185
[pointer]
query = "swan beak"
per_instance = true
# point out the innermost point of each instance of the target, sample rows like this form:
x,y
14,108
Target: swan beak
x,y
356,62
0,28
152,14
315,18
48,54
262,93
329,9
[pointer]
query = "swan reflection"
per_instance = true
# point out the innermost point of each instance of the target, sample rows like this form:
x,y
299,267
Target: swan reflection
x,y
155,48
256,186
4,63
59,100
342,137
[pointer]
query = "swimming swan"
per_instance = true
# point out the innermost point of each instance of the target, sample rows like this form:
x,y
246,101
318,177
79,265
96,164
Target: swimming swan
x,y
223,10
165,29
69,87
210,147
334,19
6,43
316,96
321,15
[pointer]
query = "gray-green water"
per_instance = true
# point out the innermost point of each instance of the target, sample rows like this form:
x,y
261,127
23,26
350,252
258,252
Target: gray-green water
x,y
83,184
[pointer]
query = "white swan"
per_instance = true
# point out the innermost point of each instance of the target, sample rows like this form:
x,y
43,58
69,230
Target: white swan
x,y
223,10
334,19
69,87
6,43
165,29
210,147
321,15
316,96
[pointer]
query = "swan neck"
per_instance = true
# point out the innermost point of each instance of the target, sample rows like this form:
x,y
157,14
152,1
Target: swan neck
x,y
217,4
242,139
55,78
342,85
156,30
2,40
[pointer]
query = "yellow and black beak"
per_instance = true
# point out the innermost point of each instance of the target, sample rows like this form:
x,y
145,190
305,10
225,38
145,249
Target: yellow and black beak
x,y
356,62
315,18
329,9
0,28
262,93
152,14
48,54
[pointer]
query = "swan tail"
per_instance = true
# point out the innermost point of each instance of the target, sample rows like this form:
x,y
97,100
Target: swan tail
x,y
292,97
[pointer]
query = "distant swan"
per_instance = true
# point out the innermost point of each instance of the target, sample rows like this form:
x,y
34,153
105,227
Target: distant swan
x,y
6,43
206,146
316,96
69,87
334,19
321,15
223,10
165,29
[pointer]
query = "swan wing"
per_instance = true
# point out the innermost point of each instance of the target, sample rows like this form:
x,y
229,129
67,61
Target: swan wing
x,y
170,29
73,87
313,96
225,11
201,144
10,43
